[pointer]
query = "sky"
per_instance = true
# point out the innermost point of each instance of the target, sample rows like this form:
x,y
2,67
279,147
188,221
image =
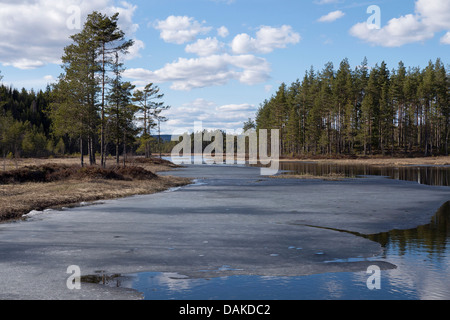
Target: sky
x,y
216,61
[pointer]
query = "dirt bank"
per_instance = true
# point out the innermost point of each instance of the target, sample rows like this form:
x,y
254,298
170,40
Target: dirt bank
x,y
41,184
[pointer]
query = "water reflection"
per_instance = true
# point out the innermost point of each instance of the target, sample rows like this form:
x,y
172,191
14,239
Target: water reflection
x,y
331,286
422,257
437,176
432,238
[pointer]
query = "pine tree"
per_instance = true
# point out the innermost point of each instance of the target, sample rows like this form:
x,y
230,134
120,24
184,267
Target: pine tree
x,y
442,83
109,40
74,109
343,95
358,111
158,108
411,89
120,111
324,86
11,136
249,125
305,101
314,126
399,102
148,100
427,92
280,113
292,131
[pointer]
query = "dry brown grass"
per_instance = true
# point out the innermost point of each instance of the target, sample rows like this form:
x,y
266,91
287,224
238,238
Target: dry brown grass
x,y
327,177
17,199
431,161
153,164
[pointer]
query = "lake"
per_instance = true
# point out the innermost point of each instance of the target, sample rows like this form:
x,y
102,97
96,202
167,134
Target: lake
x,y
422,257
429,175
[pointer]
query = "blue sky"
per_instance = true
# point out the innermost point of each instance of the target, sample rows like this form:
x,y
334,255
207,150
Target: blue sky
x,y
217,60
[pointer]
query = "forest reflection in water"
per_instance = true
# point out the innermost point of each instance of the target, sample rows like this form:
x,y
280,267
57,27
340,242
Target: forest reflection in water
x,y
421,254
428,175
422,257
431,239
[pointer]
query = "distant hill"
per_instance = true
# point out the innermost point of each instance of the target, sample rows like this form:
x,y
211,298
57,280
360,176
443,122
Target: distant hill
x,y
164,137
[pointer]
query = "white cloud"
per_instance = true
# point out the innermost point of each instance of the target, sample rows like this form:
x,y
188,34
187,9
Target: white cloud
x,y
430,16
267,39
24,63
126,12
34,33
223,117
134,50
180,29
187,74
243,43
446,38
199,103
435,14
205,47
36,83
332,16
398,32
49,78
214,65
237,107
223,32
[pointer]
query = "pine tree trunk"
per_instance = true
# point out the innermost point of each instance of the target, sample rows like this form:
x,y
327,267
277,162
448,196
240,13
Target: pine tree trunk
x,y
124,156
117,153
446,142
102,138
81,151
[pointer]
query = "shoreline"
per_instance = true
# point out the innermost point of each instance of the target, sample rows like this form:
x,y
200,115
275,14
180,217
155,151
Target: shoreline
x,y
367,160
379,161
18,199
233,218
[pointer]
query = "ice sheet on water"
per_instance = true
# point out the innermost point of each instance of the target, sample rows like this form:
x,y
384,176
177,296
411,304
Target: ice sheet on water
x,y
223,268
198,183
36,213
173,189
32,213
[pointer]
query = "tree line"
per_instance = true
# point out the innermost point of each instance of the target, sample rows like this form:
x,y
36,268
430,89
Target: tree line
x,y
90,110
24,125
362,111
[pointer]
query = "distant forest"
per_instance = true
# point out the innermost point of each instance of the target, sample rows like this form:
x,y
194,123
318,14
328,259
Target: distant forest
x,y
345,112
90,110
25,127
362,111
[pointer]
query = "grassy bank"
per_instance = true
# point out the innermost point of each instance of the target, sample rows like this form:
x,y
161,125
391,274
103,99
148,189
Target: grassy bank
x,y
378,161
39,184
325,177
375,160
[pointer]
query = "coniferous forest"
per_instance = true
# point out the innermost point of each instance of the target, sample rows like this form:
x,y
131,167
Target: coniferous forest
x,y
90,111
362,111
93,112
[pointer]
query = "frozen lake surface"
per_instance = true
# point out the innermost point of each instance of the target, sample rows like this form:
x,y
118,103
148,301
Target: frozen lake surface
x,y
235,234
